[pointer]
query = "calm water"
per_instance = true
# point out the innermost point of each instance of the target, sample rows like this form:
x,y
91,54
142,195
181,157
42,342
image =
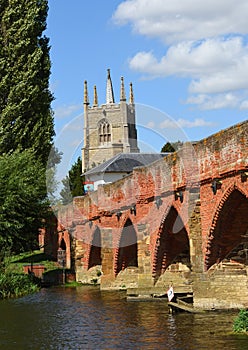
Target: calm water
x,y
85,318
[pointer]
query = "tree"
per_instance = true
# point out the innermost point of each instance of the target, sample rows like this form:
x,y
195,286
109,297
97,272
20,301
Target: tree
x,y
167,148
26,119
73,183
22,203
65,193
171,147
76,181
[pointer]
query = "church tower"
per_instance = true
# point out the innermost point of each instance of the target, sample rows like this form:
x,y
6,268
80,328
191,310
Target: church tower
x,y
110,128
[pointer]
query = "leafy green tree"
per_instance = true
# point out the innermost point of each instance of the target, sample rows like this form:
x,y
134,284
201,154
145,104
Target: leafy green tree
x,y
171,147
26,120
73,183
22,203
76,181
65,193
167,148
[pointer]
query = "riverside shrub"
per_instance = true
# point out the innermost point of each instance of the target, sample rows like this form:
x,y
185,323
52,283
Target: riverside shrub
x,y
241,322
17,285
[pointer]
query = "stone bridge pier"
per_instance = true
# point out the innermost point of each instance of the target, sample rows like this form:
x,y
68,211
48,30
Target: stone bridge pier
x,y
181,221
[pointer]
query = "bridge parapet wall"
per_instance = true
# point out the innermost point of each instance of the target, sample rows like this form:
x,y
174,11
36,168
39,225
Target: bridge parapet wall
x,y
223,165
223,160
182,180
224,152
220,154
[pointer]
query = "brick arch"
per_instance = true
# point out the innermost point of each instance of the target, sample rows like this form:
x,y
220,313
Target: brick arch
x,y
169,246
222,202
95,249
127,252
64,244
229,224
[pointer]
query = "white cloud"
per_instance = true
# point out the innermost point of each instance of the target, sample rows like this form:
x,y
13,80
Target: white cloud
x,y
150,125
75,126
244,105
214,65
177,20
228,100
65,111
183,123
208,46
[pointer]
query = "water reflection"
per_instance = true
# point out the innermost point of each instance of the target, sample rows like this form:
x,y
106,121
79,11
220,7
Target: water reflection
x,y
85,318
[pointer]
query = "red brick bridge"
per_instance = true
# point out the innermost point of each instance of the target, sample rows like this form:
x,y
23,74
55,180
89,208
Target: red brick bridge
x,y
182,220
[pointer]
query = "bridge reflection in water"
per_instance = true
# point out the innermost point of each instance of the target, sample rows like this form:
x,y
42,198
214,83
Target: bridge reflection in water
x,y
85,318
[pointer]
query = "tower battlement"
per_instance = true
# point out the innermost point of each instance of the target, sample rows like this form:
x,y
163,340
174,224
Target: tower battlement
x,y
109,128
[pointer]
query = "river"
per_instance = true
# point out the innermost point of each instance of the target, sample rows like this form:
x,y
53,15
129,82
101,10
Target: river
x,y
86,318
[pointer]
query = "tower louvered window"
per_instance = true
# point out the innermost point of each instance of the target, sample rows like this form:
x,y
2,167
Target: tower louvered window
x,y
104,132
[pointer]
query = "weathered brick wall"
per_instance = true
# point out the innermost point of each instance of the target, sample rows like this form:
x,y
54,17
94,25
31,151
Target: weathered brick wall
x,y
180,183
222,156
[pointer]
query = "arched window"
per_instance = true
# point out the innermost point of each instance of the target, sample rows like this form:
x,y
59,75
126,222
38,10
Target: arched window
x,y
104,132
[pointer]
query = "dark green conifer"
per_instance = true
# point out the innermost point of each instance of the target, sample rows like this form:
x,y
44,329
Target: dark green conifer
x,y
73,183
26,120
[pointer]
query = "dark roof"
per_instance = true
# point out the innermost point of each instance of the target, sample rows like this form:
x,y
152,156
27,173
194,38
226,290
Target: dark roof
x,y
125,162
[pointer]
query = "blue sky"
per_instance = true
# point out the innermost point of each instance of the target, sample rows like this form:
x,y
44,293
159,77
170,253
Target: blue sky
x,y
187,60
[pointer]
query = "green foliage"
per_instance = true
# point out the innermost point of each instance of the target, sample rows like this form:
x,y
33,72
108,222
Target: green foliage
x,y
65,193
22,200
241,322
167,148
16,285
15,263
76,183
72,284
26,120
52,184
171,147
73,184
4,255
